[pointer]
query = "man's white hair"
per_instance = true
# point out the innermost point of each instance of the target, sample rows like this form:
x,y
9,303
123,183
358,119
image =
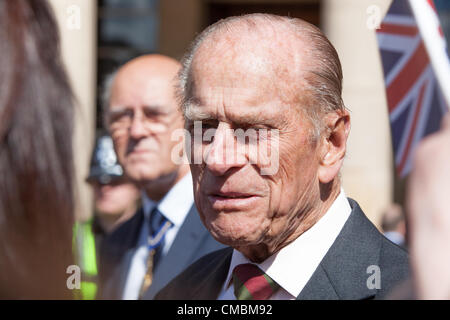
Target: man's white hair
x,y
323,79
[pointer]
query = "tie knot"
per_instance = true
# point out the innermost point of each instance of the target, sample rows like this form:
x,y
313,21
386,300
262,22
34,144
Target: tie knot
x,y
158,225
251,283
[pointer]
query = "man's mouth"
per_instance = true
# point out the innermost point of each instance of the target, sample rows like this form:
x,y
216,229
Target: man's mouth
x,y
231,200
232,195
139,153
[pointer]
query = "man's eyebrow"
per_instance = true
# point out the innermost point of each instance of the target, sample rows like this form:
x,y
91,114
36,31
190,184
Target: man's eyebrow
x,y
193,112
118,109
156,108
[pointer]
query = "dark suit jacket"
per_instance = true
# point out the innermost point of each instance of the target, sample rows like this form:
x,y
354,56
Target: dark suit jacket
x,y
342,274
191,242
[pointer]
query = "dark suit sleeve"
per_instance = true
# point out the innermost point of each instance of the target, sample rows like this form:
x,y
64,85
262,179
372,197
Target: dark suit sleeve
x,y
394,267
112,253
202,280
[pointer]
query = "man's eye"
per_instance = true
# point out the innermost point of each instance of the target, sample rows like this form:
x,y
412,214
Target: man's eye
x,y
206,126
252,130
189,125
120,116
209,125
152,114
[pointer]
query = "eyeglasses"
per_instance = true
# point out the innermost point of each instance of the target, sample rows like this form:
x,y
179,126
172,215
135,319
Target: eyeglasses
x,y
154,121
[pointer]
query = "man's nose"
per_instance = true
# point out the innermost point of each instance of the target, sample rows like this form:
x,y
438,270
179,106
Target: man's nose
x,y
137,128
224,152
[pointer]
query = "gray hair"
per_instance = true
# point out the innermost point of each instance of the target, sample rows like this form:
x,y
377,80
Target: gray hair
x,y
323,79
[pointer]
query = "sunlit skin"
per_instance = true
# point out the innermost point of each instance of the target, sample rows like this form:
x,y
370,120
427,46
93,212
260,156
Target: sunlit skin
x,y
244,82
114,202
143,113
427,205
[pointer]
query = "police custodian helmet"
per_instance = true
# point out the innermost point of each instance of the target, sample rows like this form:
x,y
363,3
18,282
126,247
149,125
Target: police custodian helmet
x,y
104,165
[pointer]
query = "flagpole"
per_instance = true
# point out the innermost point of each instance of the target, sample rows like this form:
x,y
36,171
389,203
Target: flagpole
x,y
434,44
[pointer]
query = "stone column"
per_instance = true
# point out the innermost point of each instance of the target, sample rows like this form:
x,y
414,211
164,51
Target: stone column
x,y
77,20
179,23
368,169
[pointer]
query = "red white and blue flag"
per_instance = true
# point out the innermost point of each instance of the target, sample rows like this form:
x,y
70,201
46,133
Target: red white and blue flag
x,y
414,95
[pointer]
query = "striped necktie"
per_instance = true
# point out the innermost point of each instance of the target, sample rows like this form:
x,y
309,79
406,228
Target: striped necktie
x,y
157,223
251,283
158,227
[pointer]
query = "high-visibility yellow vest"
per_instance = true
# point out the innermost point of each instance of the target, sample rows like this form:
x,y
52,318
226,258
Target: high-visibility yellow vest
x,y
86,258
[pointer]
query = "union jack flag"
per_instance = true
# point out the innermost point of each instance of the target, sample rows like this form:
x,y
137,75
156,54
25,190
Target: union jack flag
x,y
415,101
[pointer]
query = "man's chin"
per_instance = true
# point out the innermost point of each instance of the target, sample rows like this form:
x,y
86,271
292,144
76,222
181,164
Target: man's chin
x,y
142,159
142,176
109,212
233,238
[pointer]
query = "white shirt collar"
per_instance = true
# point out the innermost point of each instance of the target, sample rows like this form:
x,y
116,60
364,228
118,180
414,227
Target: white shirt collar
x,y
293,266
173,206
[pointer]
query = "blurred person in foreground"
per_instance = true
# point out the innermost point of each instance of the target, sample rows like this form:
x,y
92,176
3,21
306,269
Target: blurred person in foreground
x,y
36,166
428,213
115,201
393,224
292,232
166,234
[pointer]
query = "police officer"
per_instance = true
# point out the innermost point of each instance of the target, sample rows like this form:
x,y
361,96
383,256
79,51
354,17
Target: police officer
x,y
115,201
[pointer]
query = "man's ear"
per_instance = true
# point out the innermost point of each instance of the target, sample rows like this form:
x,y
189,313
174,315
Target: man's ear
x,y
333,145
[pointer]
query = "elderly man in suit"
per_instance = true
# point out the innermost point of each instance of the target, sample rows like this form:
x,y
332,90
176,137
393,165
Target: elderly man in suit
x,y
165,235
293,234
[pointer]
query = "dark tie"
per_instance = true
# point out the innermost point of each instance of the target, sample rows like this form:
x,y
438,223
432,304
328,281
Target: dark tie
x,y
157,221
158,227
251,283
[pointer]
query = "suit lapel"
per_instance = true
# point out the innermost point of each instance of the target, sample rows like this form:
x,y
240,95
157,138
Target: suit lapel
x,y
116,284
126,235
184,247
319,287
215,273
117,252
343,272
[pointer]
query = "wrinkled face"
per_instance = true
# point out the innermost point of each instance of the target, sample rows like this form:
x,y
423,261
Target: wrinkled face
x,y
143,114
239,204
114,198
